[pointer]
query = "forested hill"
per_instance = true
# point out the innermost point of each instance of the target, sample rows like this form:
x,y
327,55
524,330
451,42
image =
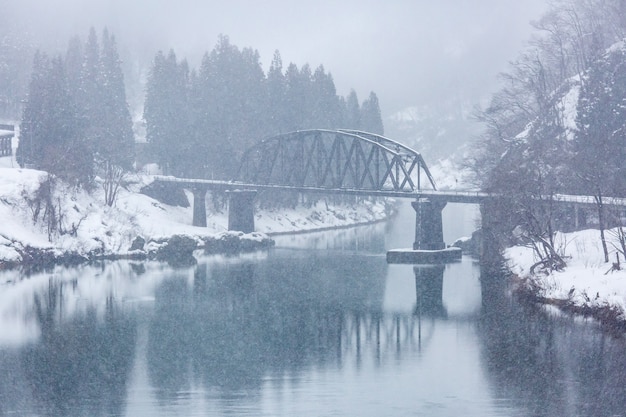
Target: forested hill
x,y
558,125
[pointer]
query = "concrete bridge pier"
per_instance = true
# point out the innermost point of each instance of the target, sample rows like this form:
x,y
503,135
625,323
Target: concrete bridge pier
x,y
199,205
428,224
241,210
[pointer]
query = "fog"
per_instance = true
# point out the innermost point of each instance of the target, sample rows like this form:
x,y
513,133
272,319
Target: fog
x,y
410,52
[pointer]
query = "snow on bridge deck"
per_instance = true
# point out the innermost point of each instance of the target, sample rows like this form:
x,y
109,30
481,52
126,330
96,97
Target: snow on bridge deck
x,y
450,196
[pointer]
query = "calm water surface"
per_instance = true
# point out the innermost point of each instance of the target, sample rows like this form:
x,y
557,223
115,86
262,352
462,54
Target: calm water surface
x,y
319,326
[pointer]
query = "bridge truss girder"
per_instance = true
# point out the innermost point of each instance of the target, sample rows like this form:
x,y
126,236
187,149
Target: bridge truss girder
x,y
334,159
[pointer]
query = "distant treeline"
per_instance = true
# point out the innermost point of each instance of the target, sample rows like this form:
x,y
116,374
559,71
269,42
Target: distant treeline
x,y
76,123
200,121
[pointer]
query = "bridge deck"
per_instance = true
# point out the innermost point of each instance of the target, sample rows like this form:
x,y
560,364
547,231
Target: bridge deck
x,y
450,196
464,196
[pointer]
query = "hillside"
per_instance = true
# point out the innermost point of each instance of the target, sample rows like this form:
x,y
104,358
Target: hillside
x,y
71,221
573,143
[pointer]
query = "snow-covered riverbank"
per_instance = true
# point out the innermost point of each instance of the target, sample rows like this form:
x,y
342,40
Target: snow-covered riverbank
x,y
587,285
86,228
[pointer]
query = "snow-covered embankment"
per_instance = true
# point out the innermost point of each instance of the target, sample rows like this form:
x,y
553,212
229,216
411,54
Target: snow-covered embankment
x,y
47,222
587,285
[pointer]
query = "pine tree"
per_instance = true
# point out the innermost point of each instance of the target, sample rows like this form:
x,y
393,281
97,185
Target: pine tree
x,y
353,112
326,106
116,141
231,90
32,126
156,111
65,153
197,146
299,97
74,60
89,94
210,95
165,111
50,125
276,91
371,120
251,123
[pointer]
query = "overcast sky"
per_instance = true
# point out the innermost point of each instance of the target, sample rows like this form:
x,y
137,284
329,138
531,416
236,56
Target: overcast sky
x,y
410,52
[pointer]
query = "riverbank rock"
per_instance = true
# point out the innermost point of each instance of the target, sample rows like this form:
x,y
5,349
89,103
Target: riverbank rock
x,y
33,259
235,242
470,245
137,244
177,250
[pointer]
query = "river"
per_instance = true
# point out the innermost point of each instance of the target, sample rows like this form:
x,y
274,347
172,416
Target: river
x,y
320,325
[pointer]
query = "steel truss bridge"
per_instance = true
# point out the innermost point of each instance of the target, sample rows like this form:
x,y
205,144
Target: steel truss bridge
x,y
327,161
343,161
335,160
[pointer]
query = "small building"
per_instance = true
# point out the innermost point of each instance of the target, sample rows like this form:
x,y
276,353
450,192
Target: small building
x,y
6,135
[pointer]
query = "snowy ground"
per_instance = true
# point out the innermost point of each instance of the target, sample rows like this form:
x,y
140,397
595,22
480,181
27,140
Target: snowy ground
x,y
89,226
450,175
586,281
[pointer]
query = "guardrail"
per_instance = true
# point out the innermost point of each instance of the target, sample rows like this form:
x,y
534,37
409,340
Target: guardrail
x,y
6,135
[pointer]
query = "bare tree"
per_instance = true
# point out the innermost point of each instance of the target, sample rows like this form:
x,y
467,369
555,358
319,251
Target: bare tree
x,y
112,179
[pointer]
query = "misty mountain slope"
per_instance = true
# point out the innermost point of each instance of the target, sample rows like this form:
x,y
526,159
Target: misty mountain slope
x,y
442,134
436,132
570,140
577,144
565,102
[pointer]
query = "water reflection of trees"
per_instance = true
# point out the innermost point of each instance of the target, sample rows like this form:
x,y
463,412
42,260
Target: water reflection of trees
x,y
551,366
80,365
15,392
240,322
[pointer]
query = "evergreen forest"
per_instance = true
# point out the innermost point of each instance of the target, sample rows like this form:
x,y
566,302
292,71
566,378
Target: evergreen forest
x,y
76,122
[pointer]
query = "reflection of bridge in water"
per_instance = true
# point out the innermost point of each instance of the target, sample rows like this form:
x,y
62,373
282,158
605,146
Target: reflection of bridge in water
x,y
381,334
313,315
